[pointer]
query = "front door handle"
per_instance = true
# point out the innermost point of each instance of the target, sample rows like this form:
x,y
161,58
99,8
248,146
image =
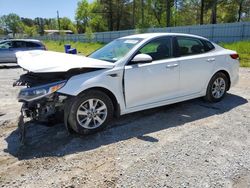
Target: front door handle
x,y
113,75
172,65
210,59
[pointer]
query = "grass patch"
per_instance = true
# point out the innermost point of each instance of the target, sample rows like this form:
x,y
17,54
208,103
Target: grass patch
x,y
82,48
243,49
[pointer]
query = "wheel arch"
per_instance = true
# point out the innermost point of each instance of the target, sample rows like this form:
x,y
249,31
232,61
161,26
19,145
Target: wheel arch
x,y
227,75
117,110
69,103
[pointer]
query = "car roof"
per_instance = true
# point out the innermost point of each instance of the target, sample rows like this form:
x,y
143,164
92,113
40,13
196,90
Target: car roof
x,y
25,40
153,35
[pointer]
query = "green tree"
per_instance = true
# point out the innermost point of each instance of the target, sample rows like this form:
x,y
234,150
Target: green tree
x,y
67,24
157,9
97,21
189,12
117,14
50,23
89,34
2,32
169,4
40,22
202,12
2,29
83,15
27,21
227,12
11,22
243,8
30,31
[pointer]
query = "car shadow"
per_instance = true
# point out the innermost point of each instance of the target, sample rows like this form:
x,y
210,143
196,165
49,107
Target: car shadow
x,y
9,66
44,141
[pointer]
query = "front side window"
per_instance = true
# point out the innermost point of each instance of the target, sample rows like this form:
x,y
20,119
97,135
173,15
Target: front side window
x,y
158,48
115,50
5,45
190,46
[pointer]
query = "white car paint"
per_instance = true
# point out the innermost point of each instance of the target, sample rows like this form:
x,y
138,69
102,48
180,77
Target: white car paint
x,y
141,86
7,55
149,87
48,61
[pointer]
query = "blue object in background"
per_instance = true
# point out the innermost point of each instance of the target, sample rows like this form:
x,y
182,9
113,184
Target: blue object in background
x,y
72,51
67,47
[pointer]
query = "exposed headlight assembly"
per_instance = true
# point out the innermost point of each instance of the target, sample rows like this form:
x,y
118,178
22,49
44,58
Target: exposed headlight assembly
x,y
34,93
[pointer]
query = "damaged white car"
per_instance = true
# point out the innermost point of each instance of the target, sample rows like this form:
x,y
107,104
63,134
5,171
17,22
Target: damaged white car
x,y
130,74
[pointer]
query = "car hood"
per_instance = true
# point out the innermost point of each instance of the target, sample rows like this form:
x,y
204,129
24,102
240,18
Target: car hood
x,y
40,61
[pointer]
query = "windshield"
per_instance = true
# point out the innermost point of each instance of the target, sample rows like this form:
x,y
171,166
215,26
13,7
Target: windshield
x,y
115,50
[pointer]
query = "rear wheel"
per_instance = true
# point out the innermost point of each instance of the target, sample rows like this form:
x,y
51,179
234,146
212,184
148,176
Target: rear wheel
x,y
217,87
90,112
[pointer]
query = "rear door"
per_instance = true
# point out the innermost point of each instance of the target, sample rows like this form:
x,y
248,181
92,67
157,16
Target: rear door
x,y
196,64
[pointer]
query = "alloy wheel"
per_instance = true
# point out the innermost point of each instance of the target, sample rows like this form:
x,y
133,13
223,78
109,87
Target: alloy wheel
x,y
92,113
218,88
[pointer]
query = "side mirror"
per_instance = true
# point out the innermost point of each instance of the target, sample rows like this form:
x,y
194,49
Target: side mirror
x,y
142,58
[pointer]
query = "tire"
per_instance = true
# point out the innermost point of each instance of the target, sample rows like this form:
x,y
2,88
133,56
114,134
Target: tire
x,y
90,112
217,87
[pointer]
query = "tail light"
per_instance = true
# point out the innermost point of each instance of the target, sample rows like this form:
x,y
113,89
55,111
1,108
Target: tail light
x,y
234,56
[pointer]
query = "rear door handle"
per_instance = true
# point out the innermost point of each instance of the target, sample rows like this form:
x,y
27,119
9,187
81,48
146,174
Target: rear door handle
x,y
210,59
172,65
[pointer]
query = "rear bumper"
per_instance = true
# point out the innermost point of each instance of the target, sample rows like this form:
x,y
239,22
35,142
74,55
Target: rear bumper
x,y
234,80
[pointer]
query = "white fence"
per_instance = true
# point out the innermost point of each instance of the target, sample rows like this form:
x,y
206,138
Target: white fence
x,y
228,32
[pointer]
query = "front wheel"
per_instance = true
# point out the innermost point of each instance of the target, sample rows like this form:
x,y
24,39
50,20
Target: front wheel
x,y
217,87
90,112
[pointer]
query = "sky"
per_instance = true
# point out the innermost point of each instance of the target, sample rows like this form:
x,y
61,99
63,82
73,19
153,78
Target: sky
x,y
39,8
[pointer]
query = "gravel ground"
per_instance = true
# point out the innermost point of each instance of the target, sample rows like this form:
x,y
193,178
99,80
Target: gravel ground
x,y
189,144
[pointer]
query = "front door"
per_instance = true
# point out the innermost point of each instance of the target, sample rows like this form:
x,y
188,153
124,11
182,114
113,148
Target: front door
x,y
7,53
147,83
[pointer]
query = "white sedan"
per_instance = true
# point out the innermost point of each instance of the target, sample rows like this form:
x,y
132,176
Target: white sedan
x,y
129,74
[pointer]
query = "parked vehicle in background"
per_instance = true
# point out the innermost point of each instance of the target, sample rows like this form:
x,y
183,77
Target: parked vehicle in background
x,y
130,74
8,48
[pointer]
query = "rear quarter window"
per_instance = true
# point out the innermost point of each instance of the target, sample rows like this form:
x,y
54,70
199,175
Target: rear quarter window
x,y
208,45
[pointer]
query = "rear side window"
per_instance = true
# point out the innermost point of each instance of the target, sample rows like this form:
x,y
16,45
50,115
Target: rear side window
x,y
190,46
32,45
18,44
